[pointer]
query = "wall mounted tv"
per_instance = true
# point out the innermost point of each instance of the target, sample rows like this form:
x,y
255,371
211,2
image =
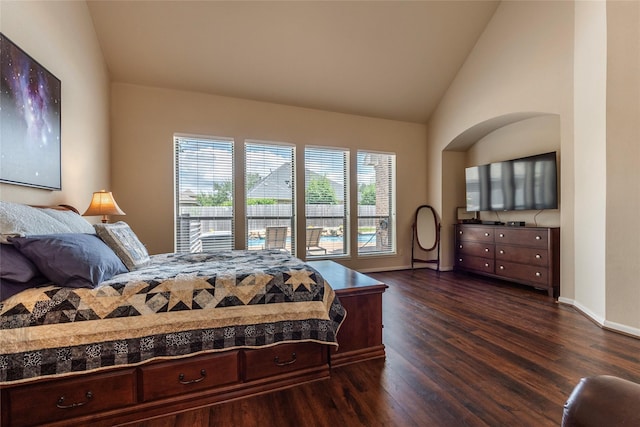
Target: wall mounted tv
x,y
518,184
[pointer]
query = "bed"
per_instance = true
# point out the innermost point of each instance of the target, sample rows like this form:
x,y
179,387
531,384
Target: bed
x,y
143,336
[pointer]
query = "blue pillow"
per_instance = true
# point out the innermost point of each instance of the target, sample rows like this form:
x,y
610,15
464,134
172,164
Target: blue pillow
x,y
73,260
17,272
15,266
9,288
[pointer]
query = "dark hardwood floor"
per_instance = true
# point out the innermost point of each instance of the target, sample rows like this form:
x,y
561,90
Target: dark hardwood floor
x,y
461,351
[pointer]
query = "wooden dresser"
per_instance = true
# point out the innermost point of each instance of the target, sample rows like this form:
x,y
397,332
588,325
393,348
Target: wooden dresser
x,y
525,255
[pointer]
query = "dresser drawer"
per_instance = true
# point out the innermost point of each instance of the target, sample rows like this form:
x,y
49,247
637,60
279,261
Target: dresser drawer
x,y
521,272
478,234
283,358
181,376
468,262
531,256
58,400
475,248
530,237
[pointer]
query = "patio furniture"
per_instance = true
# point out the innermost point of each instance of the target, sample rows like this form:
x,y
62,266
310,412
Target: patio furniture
x,y
313,240
276,237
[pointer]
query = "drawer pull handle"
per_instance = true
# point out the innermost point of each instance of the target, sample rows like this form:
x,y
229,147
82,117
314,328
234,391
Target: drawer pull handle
x,y
538,256
486,234
486,249
460,232
501,252
460,246
60,404
486,264
203,375
538,238
538,274
502,267
459,259
501,234
277,361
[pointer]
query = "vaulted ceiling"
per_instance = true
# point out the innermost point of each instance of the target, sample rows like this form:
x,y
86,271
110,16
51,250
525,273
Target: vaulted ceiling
x,y
385,59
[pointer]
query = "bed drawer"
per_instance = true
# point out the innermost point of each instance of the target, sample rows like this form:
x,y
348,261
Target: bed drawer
x,y
69,398
283,358
181,376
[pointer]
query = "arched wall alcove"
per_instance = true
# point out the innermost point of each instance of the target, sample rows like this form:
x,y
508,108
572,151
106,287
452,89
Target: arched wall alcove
x,y
503,137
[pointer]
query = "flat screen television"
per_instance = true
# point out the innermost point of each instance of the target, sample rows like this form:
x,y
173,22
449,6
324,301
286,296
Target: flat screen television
x,y
519,184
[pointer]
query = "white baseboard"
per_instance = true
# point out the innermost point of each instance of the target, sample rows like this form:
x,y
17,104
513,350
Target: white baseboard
x,y
601,321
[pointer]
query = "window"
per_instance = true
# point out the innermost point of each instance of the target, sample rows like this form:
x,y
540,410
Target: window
x,y
376,203
204,193
327,201
270,195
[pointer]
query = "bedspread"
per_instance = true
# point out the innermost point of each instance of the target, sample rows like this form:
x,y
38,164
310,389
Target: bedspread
x,y
180,304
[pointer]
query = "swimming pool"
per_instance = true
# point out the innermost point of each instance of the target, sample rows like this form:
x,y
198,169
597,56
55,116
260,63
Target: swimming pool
x,y
369,238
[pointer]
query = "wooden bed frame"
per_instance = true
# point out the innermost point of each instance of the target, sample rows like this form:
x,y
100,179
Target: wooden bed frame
x,y
161,388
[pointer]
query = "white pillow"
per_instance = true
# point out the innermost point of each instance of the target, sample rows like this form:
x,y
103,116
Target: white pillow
x,y
75,222
23,220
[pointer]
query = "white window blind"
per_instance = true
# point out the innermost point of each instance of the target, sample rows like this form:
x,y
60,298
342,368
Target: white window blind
x,y
326,201
270,195
376,202
204,194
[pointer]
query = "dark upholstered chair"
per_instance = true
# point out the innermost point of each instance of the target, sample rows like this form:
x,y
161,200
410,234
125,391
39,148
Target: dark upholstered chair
x,y
603,401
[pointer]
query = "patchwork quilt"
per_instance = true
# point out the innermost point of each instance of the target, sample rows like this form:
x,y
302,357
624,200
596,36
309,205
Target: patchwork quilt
x,y
179,304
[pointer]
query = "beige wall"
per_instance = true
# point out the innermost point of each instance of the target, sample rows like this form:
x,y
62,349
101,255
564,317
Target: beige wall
x,y
518,70
590,154
578,64
622,160
145,120
60,36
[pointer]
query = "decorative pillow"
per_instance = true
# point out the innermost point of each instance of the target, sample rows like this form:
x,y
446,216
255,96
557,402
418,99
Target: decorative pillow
x,y
124,242
75,222
72,260
23,220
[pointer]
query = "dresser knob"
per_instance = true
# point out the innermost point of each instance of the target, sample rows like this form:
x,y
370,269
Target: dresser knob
x,y
538,238
486,249
538,256
501,234
502,267
486,234
460,232
486,264
460,246
459,259
501,251
538,274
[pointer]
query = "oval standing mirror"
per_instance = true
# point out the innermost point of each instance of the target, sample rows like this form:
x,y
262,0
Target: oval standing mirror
x,y
426,228
426,233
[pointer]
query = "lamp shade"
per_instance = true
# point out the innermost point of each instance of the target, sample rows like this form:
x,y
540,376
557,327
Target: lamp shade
x,y
103,204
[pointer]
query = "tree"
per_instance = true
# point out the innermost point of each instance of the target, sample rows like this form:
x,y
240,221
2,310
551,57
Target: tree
x,y
320,192
252,180
221,195
368,194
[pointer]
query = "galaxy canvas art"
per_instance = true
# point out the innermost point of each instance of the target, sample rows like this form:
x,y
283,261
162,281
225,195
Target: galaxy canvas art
x,y
29,120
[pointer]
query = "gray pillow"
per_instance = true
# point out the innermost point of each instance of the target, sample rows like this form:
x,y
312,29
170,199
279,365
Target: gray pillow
x,y
73,260
74,221
124,242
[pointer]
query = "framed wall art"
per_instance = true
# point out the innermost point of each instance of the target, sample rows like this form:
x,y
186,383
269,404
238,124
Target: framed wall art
x,y
30,121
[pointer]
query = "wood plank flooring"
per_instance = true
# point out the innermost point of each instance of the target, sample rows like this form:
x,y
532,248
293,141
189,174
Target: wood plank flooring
x,y
461,351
